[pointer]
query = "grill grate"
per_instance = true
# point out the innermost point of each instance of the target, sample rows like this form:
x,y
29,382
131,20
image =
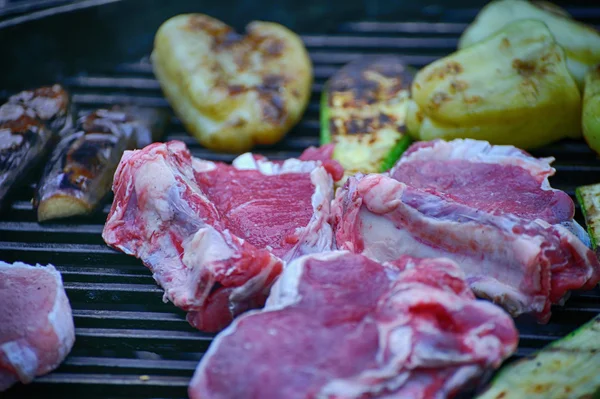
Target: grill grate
x,y
130,344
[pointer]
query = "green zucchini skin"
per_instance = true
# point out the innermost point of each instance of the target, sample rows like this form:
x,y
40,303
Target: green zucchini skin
x,y
395,153
568,368
363,112
324,116
589,200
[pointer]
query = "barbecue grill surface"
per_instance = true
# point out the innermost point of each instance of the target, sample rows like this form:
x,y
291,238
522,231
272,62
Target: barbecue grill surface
x,y
129,343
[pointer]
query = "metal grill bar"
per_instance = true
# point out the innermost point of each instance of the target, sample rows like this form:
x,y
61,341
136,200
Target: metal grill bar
x,y
124,330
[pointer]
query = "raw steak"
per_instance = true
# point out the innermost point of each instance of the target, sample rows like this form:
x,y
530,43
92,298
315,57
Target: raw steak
x,y
340,325
497,179
511,255
216,236
36,325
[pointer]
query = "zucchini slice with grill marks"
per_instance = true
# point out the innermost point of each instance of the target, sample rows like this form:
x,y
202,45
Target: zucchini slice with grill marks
x,y
589,199
363,111
566,369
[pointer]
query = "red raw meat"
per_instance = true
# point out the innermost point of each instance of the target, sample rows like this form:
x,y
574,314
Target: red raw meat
x,y
36,325
216,236
497,179
324,154
516,258
339,325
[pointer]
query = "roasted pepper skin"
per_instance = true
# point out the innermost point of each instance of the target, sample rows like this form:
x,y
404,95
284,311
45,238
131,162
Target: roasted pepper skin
x,y
590,118
232,91
511,88
580,42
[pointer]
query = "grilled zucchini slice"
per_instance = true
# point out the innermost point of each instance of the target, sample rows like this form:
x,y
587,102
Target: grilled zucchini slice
x,y
566,369
589,200
363,112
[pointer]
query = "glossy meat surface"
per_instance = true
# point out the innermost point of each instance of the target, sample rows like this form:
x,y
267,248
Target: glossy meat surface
x,y
204,228
525,266
339,325
36,325
286,199
494,179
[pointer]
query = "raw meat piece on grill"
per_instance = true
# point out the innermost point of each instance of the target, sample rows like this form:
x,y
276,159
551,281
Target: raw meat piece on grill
x,y
340,325
497,179
36,325
502,236
214,235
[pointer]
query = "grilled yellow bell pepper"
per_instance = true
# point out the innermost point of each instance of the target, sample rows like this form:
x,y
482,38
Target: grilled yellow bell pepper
x,y
580,42
590,120
232,91
511,88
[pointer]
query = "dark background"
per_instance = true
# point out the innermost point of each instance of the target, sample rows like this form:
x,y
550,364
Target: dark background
x,y
38,47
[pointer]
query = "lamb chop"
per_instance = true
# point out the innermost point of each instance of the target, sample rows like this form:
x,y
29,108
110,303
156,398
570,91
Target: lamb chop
x,y
340,325
214,235
489,208
36,325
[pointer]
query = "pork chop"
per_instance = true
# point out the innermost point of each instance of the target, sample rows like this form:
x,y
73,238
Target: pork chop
x,y
214,235
509,237
36,325
340,325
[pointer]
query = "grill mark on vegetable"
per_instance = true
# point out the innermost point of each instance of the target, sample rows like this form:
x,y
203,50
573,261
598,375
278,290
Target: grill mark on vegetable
x,y
367,126
420,116
449,68
22,125
236,89
457,86
84,161
218,30
367,81
438,99
271,102
528,69
51,104
272,82
25,140
272,106
229,39
473,99
273,47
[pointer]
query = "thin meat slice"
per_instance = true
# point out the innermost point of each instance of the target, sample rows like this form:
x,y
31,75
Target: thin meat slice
x,y
36,325
216,236
525,266
497,179
340,325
